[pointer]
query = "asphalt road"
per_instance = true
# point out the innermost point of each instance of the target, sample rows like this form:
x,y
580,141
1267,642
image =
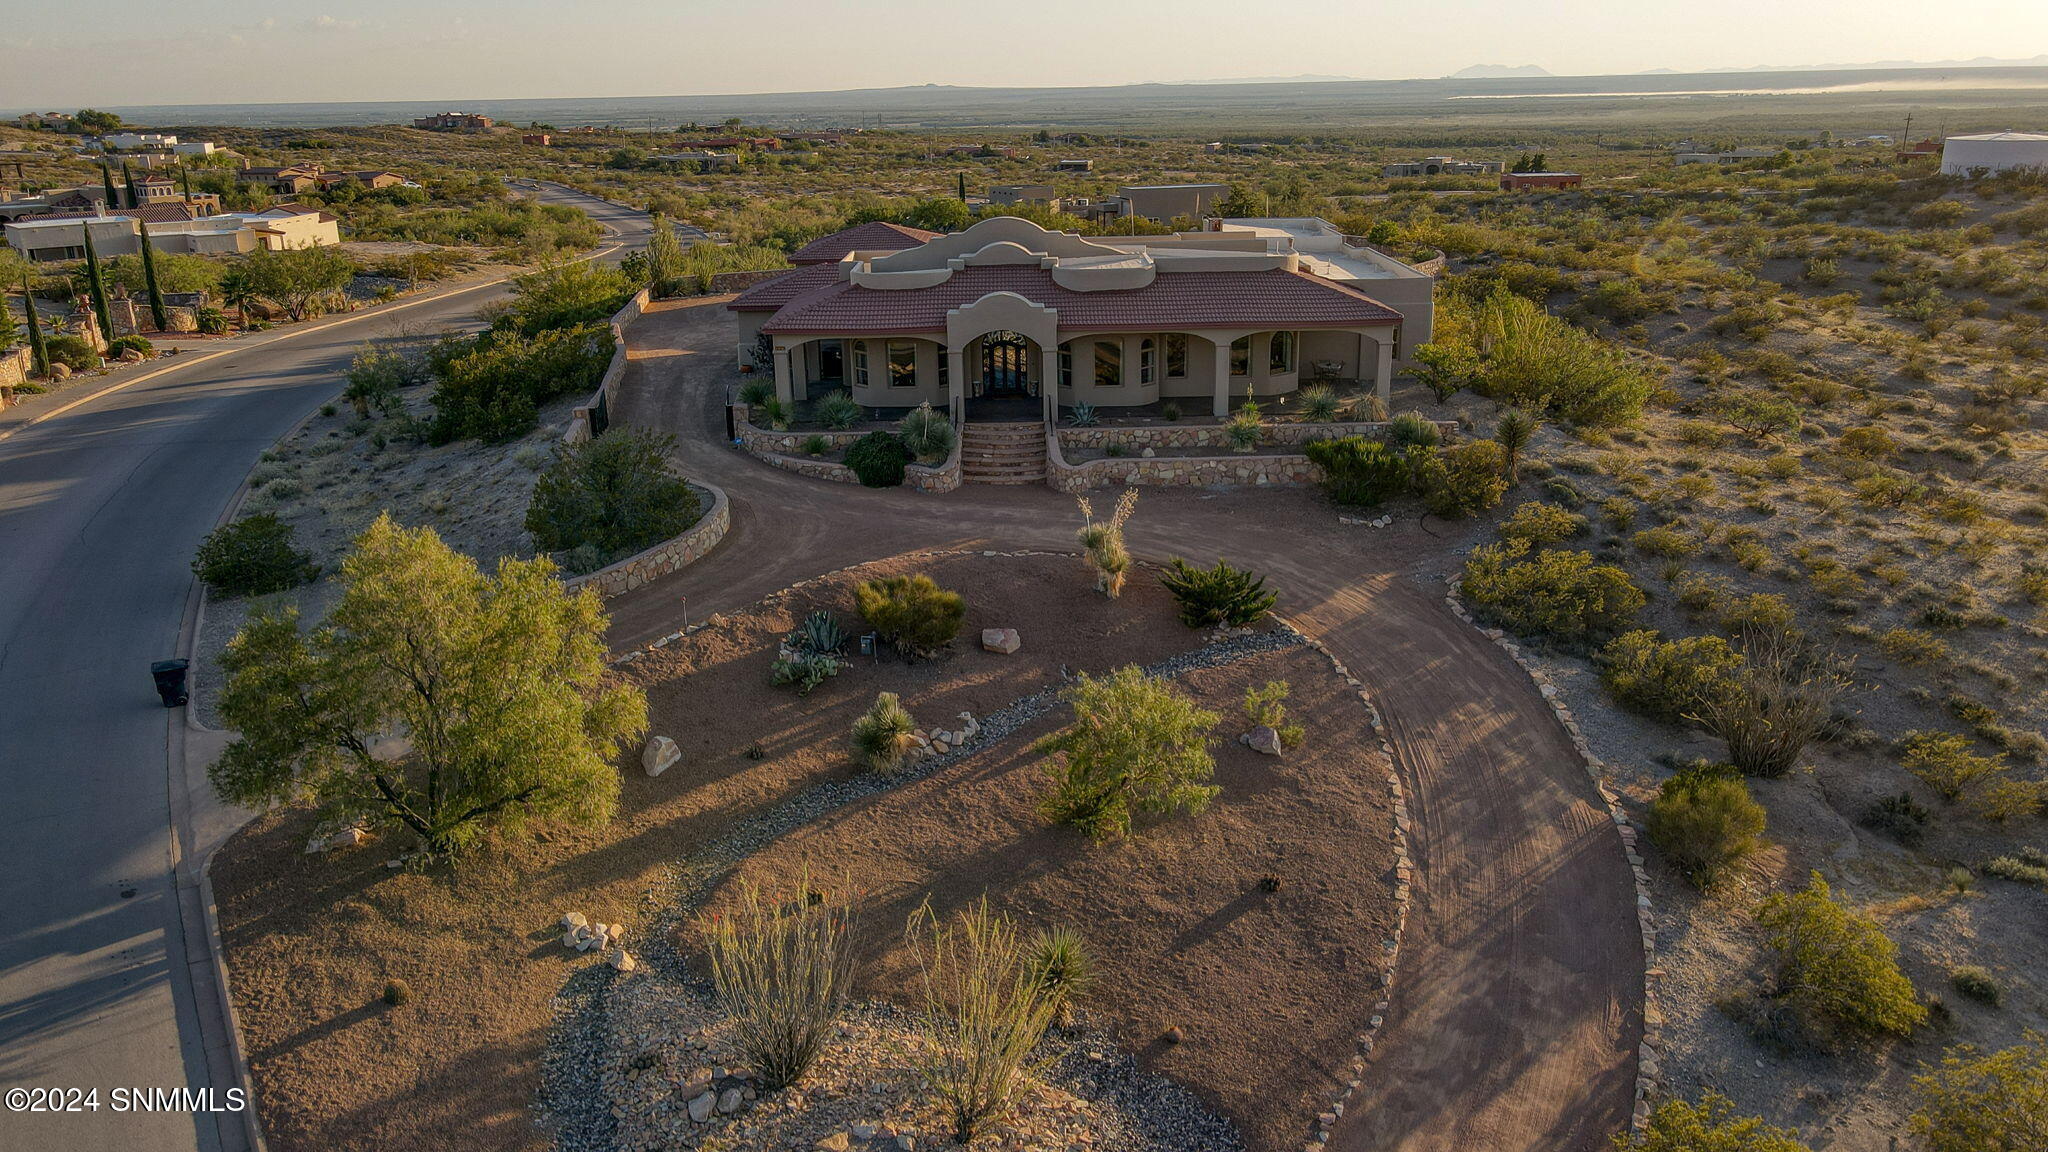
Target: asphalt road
x,y
101,508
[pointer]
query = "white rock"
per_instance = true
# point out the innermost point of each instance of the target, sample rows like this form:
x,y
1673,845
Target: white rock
x,y
659,755
1002,641
623,960
1148,453
574,920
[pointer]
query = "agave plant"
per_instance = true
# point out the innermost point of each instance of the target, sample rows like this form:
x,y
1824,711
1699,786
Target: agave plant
x,y
818,634
1082,416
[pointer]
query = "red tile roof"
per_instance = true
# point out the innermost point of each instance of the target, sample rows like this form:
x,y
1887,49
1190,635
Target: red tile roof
x,y
147,213
1274,298
871,237
770,295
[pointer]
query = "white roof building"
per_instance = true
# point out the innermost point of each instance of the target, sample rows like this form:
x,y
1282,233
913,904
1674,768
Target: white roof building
x,y
1990,152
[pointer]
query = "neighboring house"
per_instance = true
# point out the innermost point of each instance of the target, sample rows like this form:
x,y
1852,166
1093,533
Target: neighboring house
x,y
289,180
1991,152
375,179
1516,181
137,141
1922,150
537,139
1022,194
813,138
194,148
1006,309
1073,165
1159,202
705,161
454,122
153,193
1732,156
1442,166
715,143
172,228
55,121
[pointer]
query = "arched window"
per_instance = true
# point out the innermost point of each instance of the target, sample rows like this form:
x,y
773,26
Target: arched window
x,y
1109,364
1281,357
1241,356
1067,365
1148,360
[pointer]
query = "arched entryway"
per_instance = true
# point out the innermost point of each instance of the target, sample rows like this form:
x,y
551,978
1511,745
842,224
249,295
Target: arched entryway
x,y
1005,364
1004,368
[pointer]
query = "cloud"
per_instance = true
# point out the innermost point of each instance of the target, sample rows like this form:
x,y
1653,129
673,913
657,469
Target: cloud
x,y
329,23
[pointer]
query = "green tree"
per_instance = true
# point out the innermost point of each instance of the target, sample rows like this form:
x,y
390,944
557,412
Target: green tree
x,y
157,315
664,259
128,187
253,556
1709,1126
96,282
1986,1103
1705,820
613,495
1445,368
435,698
1835,967
295,277
113,198
566,294
238,291
938,214
1462,480
10,330
39,351
96,122
1137,744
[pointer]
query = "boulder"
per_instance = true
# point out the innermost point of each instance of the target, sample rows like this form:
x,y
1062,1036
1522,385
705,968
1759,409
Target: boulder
x,y
1262,739
729,1101
130,356
659,755
1001,641
623,961
59,371
700,1107
347,838
574,920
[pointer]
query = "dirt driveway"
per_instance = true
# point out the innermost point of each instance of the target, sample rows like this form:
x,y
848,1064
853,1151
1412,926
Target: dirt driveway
x,y
1518,1001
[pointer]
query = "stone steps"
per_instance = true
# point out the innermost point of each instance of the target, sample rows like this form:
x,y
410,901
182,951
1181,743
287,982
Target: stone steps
x,y
1010,453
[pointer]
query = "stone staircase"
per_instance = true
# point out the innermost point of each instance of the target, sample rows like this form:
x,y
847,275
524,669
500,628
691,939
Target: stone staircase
x,y
1006,453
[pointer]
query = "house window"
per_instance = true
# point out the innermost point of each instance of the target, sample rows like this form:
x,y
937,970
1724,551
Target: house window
x,y
902,364
1109,364
1176,356
1066,365
1280,355
1148,361
1241,356
945,370
860,363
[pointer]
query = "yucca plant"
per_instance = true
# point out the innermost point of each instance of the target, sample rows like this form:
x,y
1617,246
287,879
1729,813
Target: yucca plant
x,y
1063,966
1319,405
782,967
836,411
757,392
882,735
1103,543
1219,595
927,434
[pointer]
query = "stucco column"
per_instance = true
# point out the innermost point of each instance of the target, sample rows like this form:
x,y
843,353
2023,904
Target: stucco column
x,y
956,384
1049,381
785,377
1222,351
1383,378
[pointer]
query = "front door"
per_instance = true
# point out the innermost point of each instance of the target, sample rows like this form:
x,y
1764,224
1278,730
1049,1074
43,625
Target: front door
x,y
831,361
1005,364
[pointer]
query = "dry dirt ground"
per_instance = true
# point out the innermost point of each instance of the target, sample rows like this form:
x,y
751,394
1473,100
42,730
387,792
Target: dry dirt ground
x,y
1270,989
1517,1007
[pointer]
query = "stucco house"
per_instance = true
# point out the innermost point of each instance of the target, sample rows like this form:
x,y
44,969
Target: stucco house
x,y
172,228
1008,315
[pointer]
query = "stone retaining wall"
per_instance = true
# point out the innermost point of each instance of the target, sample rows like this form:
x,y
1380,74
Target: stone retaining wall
x,y
666,557
1177,471
1141,436
776,448
578,430
14,366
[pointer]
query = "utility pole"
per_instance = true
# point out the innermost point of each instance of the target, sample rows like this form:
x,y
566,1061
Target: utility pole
x,y
1908,137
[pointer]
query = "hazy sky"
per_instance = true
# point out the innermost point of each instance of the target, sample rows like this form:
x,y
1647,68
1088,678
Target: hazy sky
x,y
117,52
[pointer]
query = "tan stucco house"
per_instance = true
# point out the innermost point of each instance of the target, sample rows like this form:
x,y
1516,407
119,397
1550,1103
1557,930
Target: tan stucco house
x,y
1007,311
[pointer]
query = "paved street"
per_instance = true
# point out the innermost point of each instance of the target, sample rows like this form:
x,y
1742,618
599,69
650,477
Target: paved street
x,y
100,510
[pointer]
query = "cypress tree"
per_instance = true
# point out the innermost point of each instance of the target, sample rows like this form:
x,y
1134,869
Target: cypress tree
x,y
128,186
107,181
9,330
98,283
185,180
157,315
37,349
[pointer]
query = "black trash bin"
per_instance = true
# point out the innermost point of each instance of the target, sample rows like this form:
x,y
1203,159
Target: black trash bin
x,y
170,681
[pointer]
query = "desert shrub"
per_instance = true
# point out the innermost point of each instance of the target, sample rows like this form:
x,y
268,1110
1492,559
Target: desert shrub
x,y
1083,416
1758,611
1868,442
1836,969
882,734
566,296
253,556
1667,541
804,670
1462,480
1266,706
1912,646
927,435
1758,416
2027,867
755,393
1243,429
815,446
74,352
1535,361
1705,821
1062,964
1412,428
1318,404
1947,763
1137,745
1561,595
120,344
1668,679
782,967
911,612
1976,984
1901,817
1357,471
1709,1126
878,459
1543,524
1222,595
1445,368
614,495
1782,698
397,993
837,411
377,373
776,414
982,1006
1985,1103
492,387
1102,543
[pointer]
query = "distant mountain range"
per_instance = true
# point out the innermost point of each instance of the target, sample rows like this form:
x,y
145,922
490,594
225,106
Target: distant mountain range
x,y
1498,72
1977,62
